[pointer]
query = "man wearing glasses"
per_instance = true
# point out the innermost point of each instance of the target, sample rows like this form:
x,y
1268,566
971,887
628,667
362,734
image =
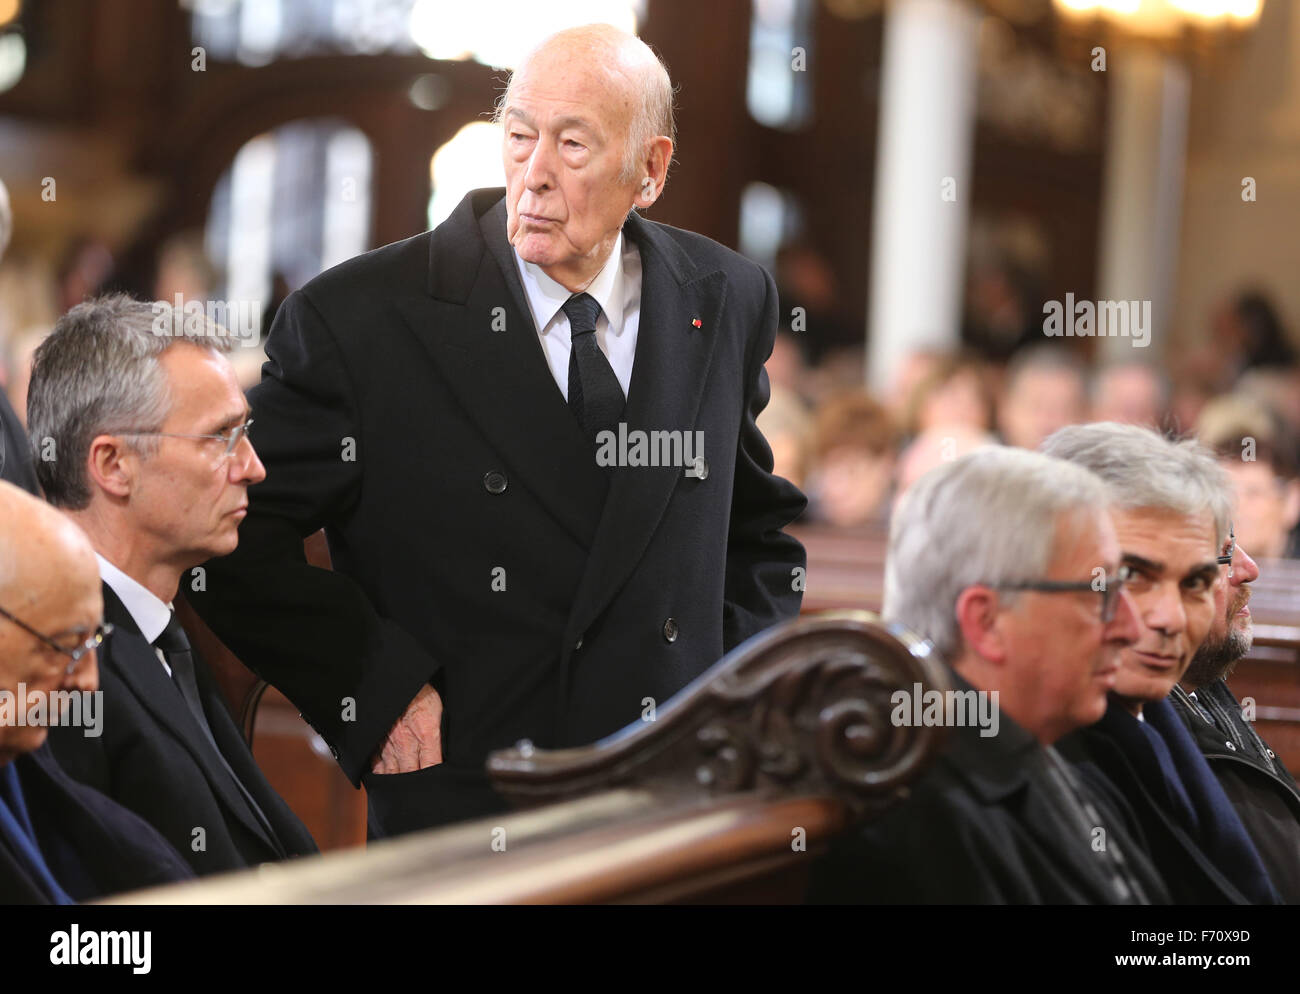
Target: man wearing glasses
x,y
1170,509
1261,788
60,841
147,435
1007,562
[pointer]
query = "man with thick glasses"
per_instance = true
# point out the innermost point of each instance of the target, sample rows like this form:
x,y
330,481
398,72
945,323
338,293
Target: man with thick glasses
x,y
153,461
1006,561
1261,788
60,841
1170,509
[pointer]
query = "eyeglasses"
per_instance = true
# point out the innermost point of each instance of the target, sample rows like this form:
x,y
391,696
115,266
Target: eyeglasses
x,y
75,655
231,438
1226,558
1112,586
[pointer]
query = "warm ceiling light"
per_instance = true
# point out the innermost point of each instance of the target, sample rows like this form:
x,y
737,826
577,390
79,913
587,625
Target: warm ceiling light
x,y
9,10
1166,18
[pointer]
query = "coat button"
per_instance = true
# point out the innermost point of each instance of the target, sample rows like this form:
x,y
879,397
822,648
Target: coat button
x,y
701,468
670,630
1230,746
578,644
494,482
1271,754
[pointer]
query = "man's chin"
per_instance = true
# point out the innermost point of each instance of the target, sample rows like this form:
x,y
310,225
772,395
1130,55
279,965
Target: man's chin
x,y
535,247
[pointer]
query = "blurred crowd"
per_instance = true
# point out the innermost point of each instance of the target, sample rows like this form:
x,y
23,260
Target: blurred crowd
x,y
854,453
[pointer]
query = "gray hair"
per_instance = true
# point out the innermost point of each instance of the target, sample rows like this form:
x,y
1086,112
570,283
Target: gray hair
x,y
6,219
1145,471
655,115
990,517
97,373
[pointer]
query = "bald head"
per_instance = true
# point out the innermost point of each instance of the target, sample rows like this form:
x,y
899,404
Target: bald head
x,y
49,580
42,553
630,74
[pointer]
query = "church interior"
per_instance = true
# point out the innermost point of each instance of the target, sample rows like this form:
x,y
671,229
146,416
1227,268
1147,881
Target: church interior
x,y
985,220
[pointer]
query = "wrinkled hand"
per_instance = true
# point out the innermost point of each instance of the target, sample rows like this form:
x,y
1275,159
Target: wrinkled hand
x,y
415,740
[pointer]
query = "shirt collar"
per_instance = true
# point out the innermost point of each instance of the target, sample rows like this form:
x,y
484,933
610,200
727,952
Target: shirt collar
x,y
546,296
147,611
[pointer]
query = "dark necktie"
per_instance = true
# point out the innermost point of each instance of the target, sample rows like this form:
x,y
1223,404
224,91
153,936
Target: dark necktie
x,y
595,398
175,646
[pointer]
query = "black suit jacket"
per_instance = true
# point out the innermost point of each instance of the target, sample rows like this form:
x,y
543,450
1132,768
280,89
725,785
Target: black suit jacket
x,y
15,450
1257,783
93,846
153,758
982,826
407,407
1100,754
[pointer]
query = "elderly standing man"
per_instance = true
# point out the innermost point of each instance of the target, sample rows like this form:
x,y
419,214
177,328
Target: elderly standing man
x,y
60,841
993,559
1261,788
448,409
1171,511
141,408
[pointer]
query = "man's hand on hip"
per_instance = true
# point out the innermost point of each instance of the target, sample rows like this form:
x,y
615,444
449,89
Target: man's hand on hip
x,y
415,740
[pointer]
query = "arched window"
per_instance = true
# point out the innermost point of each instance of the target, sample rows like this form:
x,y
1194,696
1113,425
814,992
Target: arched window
x,y
769,217
294,202
256,32
471,159
778,92
13,46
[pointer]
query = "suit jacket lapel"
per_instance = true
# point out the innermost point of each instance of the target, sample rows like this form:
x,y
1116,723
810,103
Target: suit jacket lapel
x,y
668,376
500,377
134,661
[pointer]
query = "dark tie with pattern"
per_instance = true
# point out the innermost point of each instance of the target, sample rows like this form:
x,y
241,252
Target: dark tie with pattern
x,y
175,646
595,398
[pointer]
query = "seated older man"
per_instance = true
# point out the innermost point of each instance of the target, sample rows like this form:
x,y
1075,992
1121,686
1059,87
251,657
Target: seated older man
x,y
1260,787
154,464
60,841
994,558
1170,508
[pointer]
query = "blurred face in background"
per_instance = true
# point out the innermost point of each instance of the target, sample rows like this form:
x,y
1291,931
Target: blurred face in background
x,y
958,401
1130,395
1040,401
1267,507
851,485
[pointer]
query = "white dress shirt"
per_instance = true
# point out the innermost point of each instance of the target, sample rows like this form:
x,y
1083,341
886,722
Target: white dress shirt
x,y
617,288
149,613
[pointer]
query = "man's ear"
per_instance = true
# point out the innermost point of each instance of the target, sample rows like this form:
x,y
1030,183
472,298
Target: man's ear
x,y
111,466
977,617
654,171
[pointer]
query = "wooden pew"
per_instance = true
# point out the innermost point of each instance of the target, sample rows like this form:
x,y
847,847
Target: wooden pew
x,y
728,795
846,570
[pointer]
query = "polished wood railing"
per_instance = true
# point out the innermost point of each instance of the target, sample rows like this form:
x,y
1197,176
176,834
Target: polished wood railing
x,y
728,795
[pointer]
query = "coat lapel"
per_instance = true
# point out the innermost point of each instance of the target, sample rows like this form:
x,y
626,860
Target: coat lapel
x,y
668,376
134,661
502,381
500,377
